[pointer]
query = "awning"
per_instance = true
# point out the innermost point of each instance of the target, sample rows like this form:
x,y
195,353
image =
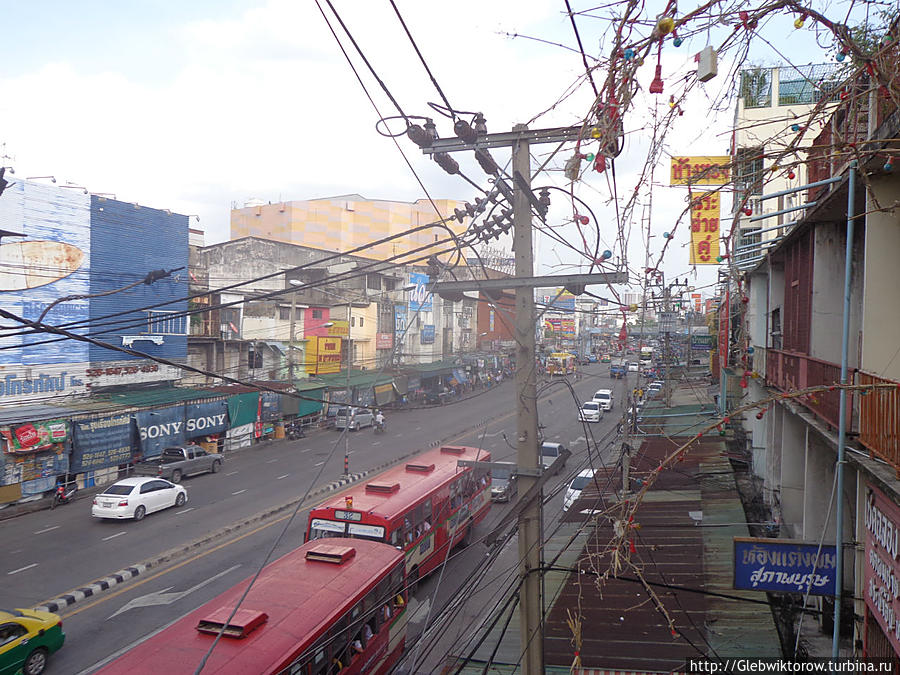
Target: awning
x,y
460,375
277,346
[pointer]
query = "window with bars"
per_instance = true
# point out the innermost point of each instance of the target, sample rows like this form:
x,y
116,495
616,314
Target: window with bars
x,y
166,323
749,172
756,87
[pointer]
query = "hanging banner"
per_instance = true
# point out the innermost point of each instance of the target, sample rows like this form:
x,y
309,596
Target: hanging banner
x,y
427,334
270,406
698,302
704,170
159,429
567,328
100,443
419,297
705,229
783,566
204,419
34,436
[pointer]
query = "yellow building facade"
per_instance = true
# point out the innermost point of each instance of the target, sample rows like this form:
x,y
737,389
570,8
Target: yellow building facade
x,y
347,222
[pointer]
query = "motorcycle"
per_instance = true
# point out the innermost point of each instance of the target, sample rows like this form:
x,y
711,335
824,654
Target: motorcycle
x,y
294,432
379,427
65,492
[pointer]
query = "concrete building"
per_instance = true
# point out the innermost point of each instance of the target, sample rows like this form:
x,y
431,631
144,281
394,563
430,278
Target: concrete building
x,y
774,109
788,339
347,222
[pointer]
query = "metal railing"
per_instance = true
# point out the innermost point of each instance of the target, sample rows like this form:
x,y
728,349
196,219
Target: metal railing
x,y
789,371
879,420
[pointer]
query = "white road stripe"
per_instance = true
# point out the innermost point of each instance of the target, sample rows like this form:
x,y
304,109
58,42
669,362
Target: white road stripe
x,y
239,491
47,529
376,442
305,450
190,508
418,428
271,461
318,464
231,473
113,536
284,476
22,569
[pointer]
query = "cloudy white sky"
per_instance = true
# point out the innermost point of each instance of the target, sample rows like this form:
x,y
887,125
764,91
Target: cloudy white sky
x,y
195,106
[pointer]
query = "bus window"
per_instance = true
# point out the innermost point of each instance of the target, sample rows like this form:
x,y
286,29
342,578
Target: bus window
x,y
320,529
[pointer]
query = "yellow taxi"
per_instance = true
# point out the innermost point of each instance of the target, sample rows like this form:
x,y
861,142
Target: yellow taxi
x,y
27,638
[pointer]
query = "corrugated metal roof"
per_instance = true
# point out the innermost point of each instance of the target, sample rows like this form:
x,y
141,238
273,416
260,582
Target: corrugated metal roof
x,y
32,413
623,629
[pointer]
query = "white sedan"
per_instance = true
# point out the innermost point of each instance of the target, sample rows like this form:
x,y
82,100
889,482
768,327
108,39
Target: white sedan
x,y
136,497
589,412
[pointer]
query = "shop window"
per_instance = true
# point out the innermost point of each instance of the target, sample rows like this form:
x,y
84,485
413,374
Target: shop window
x,y
317,314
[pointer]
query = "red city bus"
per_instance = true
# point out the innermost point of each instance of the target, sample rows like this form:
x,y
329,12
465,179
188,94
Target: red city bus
x,y
328,606
425,507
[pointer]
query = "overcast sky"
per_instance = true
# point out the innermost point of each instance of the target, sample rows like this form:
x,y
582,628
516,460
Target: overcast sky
x,y
195,106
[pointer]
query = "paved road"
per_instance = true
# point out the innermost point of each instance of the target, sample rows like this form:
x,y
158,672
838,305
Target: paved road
x,y
51,552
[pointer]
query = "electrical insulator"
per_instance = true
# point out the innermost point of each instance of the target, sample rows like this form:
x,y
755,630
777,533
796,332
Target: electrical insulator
x,y
446,162
480,124
459,214
431,129
544,201
470,210
487,162
464,131
419,136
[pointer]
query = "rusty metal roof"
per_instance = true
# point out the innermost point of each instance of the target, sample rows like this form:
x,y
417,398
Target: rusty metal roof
x,y
623,627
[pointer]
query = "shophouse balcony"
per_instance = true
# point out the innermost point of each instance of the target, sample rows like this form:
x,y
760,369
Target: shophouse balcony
x,y
789,371
879,420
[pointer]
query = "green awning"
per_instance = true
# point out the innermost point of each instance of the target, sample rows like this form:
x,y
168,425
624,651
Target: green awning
x,y
358,379
242,409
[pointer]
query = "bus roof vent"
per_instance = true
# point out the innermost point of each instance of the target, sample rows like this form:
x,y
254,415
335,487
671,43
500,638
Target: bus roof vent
x,y
382,488
420,468
331,553
453,449
244,622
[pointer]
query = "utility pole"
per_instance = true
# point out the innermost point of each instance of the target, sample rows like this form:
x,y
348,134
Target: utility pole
x,y
349,397
291,348
530,545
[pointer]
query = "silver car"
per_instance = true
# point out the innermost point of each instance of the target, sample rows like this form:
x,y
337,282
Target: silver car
x,y
358,418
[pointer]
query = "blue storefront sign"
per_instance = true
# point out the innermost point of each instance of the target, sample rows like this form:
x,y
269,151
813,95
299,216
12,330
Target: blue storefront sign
x,y
427,334
271,406
783,566
419,297
204,419
159,429
100,443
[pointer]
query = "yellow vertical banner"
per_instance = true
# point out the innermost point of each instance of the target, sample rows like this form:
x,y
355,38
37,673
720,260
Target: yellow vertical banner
x,y
705,229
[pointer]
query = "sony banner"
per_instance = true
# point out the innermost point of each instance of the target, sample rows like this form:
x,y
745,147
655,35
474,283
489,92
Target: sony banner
x,y
205,419
159,429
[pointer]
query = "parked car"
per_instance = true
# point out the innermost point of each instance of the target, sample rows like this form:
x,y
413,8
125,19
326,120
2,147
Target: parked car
x,y
589,412
574,488
27,638
136,497
605,398
178,461
358,418
504,481
654,388
592,358
550,451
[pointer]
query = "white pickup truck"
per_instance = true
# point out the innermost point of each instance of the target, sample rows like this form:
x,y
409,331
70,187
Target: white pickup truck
x,y
179,461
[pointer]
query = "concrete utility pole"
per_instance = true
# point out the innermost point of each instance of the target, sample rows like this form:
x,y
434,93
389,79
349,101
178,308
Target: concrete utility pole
x,y
291,348
530,596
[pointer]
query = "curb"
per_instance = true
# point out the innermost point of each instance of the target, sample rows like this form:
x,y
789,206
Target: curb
x,y
123,575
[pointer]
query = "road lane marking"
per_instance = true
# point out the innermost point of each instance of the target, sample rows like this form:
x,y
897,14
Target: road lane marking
x,y
231,473
418,428
47,529
284,476
239,491
22,569
163,598
190,508
113,536
305,450
318,464
271,461
376,442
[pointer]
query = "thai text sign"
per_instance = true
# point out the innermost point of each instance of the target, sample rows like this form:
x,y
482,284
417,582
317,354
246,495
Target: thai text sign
x,y
101,442
323,355
427,334
702,342
419,296
705,229
384,341
881,564
783,566
700,170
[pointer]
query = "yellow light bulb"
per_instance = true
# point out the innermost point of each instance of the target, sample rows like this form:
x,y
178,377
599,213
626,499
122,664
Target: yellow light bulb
x,y
665,25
